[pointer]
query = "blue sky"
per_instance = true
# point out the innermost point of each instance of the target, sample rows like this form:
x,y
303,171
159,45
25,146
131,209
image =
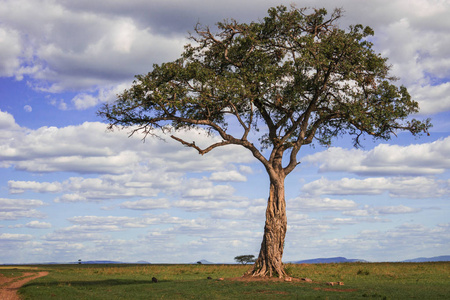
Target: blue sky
x,y
70,190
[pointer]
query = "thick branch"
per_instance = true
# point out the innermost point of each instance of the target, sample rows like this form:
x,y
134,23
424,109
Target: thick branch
x,y
200,151
246,127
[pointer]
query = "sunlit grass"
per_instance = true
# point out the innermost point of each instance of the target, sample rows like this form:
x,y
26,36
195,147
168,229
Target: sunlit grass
x,y
361,280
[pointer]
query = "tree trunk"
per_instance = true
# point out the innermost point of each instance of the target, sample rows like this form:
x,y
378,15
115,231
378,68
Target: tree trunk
x,y
269,260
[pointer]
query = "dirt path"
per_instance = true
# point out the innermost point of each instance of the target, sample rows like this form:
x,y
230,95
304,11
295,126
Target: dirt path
x,y
10,286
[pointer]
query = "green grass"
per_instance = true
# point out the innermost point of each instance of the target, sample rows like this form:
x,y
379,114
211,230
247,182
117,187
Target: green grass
x,y
362,281
10,272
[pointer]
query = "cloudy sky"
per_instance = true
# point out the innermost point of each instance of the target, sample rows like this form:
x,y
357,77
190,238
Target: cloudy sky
x,y
70,190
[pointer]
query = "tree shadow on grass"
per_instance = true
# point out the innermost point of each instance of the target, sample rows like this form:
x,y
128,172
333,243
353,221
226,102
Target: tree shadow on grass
x,y
91,283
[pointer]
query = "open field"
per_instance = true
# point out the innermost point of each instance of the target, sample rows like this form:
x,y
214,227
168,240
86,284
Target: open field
x,y
361,281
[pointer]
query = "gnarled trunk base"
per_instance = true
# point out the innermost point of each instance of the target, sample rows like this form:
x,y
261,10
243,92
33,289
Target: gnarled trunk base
x,y
269,262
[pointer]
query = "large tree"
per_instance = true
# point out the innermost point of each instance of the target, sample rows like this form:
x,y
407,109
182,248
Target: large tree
x,y
295,75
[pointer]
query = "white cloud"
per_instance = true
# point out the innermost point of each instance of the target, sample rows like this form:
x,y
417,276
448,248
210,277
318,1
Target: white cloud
x,y
68,198
75,49
13,209
156,169
110,223
17,187
7,122
14,215
189,233
88,148
62,235
203,205
245,169
84,101
103,94
227,176
318,204
9,130
246,210
7,237
38,225
432,98
414,36
415,159
401,187
201,189
400,209
10,51
385,210
146,204
88,46
103,188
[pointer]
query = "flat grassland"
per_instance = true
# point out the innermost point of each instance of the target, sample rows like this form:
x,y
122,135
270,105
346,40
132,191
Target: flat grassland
x,y
361,281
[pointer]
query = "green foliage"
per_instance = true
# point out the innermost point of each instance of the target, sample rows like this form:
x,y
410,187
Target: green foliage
x,y
295,73
384,280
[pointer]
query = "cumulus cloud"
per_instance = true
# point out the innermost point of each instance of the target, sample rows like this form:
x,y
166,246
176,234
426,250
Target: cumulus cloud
x,y
17,187
125,168
96,228
401,187
146,204
88,148
227,176
8,237
422,64
9,130
319,204
90,47
110,222
75,49
432,98
415,159
38,225
202,205
212,234
201,189
385,210
10,51
13,209
250,209
105,93
62,235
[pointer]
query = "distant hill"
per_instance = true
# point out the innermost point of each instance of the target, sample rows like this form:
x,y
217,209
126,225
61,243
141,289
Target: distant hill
x,y
327,260
203,262
93,262
143,262
428,259
345,260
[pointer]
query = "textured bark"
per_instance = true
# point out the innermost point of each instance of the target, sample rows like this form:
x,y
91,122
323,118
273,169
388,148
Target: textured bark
x,y
269,262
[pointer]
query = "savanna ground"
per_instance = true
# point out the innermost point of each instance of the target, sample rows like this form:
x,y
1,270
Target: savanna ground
x,y
361,281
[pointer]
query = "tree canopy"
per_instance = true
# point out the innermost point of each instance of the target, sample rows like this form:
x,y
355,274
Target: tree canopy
x,y
245,259
294,75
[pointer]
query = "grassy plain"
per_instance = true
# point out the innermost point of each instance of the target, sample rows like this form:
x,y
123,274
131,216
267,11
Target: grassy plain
x,y
362,281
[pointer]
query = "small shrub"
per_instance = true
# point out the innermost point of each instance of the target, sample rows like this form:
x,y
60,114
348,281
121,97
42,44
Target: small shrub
x,y
361,272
